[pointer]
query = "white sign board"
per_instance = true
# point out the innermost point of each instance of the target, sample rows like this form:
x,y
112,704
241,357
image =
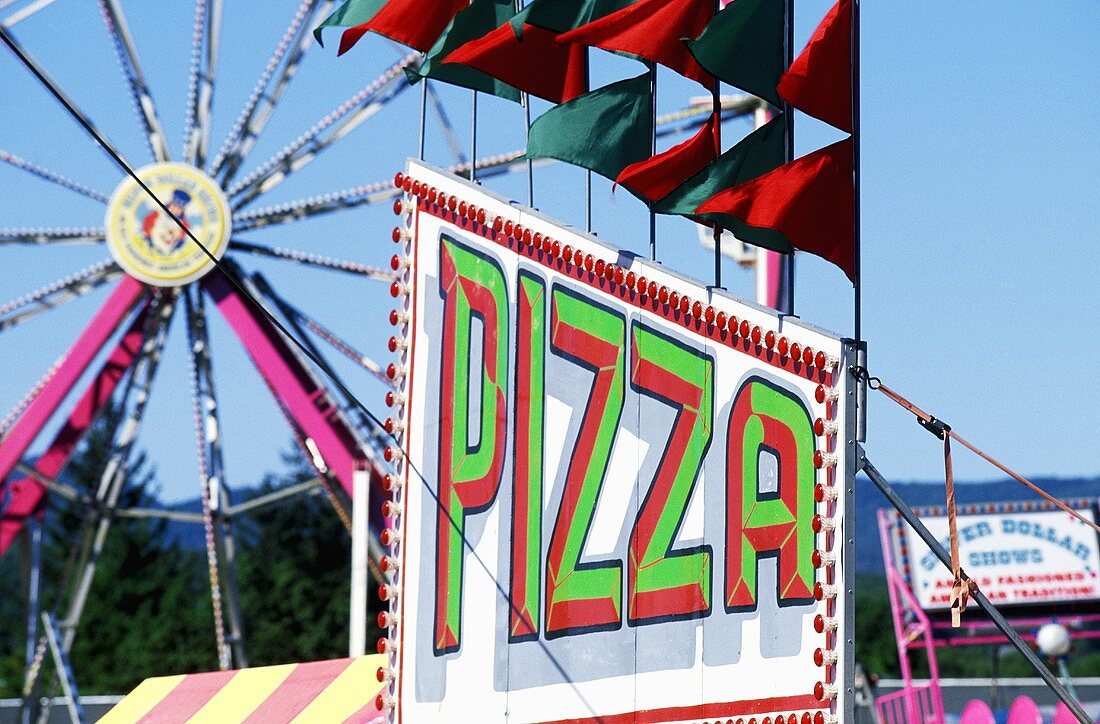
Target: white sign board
x,y
625,493
1016,558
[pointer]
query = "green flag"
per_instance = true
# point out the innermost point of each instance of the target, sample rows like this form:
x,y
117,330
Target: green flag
x,y
756,154
478,20
563,15
743,46
605,130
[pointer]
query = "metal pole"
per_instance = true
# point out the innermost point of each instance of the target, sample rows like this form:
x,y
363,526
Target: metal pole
x,y
788,117
64,669
530,164
979,598
357,644
423,117
855,164
653,152
716,106
861,348
588,201
34,587
525,101
473,137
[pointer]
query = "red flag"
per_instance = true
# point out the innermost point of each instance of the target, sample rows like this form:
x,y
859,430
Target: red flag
x,y
534,63
414,23
654,30
809,203
819,81
657,176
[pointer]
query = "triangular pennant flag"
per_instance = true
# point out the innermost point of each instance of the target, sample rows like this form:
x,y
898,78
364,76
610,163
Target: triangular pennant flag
x,y
410,22
819,81
807,204
656,177
743,46
478,19
651,29
563,15
533,62
754,155
605,130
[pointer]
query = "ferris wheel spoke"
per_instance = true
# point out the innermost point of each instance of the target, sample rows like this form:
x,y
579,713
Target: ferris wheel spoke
x,y
205,41
113,476
448,130
24,12
62,291
261,104
367,429
365,195
29,424
334,126
12,160
314,206
315,260
220,551
27,494
46,80
57,235
295,386
130,63
340,345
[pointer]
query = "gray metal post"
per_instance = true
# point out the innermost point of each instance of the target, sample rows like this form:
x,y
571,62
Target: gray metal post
x,y
473,138
857,301
716,108
34,589
588,201
978,597
423,117
215,484
653,152
788,120
64,669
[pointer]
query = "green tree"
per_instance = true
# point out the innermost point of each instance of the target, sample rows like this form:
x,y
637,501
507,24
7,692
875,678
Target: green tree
x,y
294,563
148,610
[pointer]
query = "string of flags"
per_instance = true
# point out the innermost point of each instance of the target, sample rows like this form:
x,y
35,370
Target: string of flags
x,y
806,204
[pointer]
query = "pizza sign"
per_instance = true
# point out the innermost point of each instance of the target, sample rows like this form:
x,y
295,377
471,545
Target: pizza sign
x,y
624,496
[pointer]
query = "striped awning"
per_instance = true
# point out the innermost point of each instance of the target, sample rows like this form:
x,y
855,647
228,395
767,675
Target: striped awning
x,y
342,690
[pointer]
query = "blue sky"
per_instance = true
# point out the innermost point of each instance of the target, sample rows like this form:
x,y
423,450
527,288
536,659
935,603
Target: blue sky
x,y
979,215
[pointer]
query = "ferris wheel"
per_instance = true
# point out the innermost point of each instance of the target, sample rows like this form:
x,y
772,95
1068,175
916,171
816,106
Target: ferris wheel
x,y
155,274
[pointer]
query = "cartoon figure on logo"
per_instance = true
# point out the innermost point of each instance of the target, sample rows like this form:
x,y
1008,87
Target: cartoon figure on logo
x,y
161,232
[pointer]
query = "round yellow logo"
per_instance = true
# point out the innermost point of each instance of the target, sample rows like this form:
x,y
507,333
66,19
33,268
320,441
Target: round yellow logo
x,y
148,243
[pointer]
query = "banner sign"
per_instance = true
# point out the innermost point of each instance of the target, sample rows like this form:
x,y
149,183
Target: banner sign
x,y
625,493
1019,554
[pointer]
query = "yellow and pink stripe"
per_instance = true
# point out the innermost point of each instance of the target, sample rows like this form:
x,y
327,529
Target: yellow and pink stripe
x,y
342,690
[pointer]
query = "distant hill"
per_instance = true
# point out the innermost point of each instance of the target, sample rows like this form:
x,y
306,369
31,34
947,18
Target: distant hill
x,y
920,494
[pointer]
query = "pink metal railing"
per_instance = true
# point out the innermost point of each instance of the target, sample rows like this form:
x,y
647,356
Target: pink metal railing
x,y
915,704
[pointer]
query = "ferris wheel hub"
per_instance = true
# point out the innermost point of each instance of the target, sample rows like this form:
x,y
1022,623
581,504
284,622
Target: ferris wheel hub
x,y
149,244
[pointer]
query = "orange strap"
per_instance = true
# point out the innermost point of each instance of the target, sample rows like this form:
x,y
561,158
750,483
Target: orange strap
x,y
925,417
961,585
